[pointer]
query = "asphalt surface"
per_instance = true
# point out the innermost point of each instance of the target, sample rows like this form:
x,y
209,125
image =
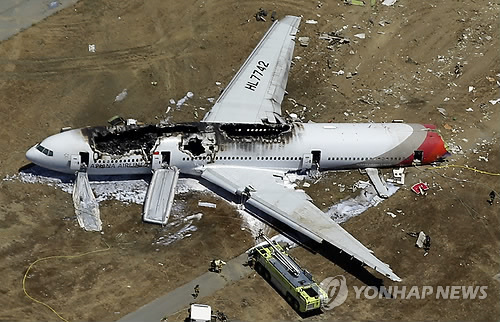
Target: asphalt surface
x,y
182,297
17,15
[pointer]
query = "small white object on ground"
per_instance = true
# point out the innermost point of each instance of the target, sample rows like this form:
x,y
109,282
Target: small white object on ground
x,y
207,204
120,97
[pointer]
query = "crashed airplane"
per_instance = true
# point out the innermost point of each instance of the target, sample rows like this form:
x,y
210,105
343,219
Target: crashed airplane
x,y
245,146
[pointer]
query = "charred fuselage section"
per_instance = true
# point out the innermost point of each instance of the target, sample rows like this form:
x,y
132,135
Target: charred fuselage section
x,y
120,140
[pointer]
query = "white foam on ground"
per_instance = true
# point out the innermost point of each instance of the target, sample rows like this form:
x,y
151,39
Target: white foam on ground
x,y
180,226
351,207
124,189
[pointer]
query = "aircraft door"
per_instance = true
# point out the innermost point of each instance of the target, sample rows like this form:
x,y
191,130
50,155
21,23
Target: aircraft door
x,y
156,162
160,160
307,161
84,159
418,157
165,158
316,158
75,162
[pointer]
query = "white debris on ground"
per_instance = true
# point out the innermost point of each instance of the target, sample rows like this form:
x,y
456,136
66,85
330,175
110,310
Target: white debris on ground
x,y
184,99
206,204
120,97
388,2
351,207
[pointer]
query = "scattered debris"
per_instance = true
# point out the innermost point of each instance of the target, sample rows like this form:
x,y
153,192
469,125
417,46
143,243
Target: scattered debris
x,y
154,83
442,111
420,188
311,22
458,69
493,102
355,2
259,16
423,241
184,99
409,60
273,16
360,36
492,197
206,204
120,97
469,109
388,2
92,48
447,126
54,4
399,176
471,88
350,75
334,38
393,215
304,41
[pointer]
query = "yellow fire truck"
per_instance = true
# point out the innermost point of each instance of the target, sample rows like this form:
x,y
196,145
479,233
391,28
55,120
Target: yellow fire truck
x,y
294,283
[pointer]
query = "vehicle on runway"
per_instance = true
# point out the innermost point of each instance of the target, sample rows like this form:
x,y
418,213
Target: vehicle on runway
x,y
245,146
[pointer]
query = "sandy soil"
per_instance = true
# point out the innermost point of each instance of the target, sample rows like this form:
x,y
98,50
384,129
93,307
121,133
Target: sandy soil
x,y
404,69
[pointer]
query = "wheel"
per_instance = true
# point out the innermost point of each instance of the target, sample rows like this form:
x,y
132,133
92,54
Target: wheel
x,y
266,274
258,268
289,298
295,305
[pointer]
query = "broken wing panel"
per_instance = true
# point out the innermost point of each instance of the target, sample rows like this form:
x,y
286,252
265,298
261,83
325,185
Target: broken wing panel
x,y
258,88
292,207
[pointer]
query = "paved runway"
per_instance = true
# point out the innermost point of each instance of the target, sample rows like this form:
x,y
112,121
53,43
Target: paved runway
x,y
17,15
181,297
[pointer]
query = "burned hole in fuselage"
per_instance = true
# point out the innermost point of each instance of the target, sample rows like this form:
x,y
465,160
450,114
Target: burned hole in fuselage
x,y
195,146
123,139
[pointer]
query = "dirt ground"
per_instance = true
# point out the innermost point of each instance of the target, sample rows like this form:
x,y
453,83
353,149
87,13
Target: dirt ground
x,y
416,57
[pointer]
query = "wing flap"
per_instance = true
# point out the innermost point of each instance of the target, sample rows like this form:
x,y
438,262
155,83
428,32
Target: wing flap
x,y
264,190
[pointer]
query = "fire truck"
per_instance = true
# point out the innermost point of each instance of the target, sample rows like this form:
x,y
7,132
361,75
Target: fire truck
x,y
295,284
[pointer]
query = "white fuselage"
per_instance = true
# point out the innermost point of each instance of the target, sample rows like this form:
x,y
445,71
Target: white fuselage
x,y
292,147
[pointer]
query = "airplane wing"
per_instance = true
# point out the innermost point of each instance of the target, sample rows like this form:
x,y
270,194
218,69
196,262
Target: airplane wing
x,y
265,191
255,94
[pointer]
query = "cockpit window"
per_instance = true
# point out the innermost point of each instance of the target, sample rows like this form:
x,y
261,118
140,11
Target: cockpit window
x,y
45,151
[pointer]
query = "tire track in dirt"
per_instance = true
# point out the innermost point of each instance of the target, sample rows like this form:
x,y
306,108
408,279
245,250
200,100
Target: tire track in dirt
x,y
134,57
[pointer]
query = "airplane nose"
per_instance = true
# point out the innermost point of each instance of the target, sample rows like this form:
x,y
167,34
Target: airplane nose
x,y
33,155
